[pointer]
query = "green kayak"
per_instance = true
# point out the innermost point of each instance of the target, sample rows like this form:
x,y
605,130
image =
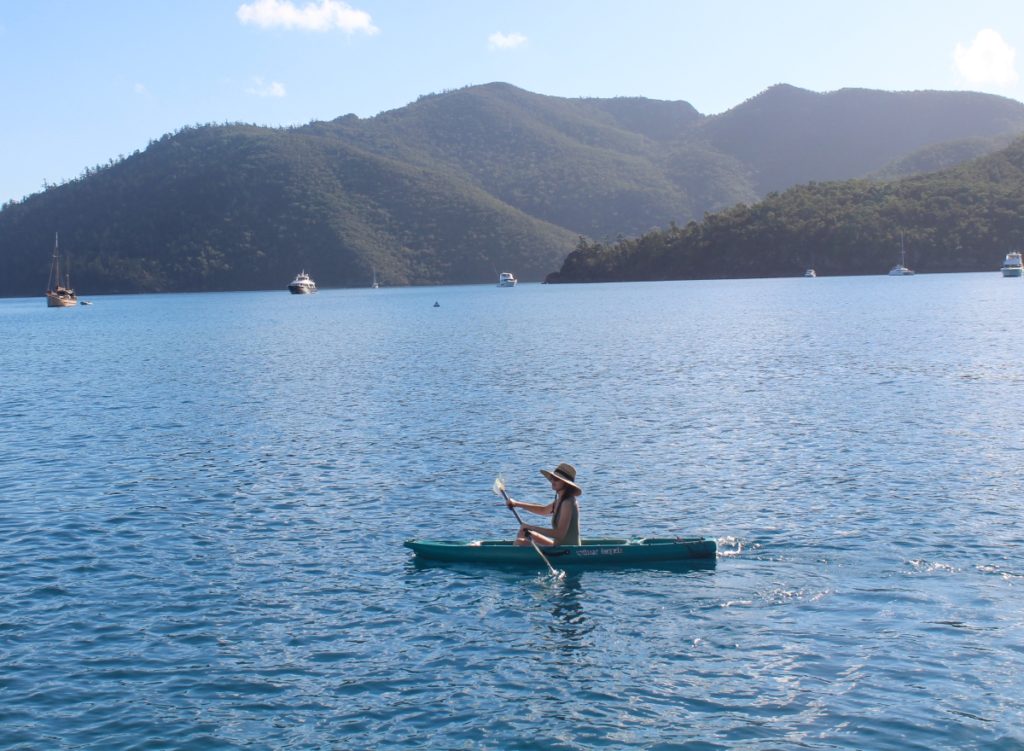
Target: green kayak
x,y
593,552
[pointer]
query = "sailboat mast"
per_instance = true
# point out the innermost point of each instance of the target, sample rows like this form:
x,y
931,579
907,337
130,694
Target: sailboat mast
x,y
54,280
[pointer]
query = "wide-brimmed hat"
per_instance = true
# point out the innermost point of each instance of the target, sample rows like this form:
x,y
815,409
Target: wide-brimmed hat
x,y
564,472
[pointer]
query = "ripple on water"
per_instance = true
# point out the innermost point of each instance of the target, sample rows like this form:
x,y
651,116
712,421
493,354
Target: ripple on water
x,y
188,564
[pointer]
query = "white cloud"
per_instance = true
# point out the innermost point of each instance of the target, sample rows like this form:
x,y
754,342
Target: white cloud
x,y
314,16
261,88
140,89
987,60
500,41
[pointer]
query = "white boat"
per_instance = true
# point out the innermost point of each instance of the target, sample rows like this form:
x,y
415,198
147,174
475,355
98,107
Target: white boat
x,y
900,269
302,285
1012,266
59,295
375,284
506,279
810,273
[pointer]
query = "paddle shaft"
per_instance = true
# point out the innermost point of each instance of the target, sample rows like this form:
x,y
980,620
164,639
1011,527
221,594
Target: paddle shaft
x,y
529,536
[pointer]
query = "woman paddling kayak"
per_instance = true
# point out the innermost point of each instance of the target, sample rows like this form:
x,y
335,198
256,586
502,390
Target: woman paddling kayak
x,y
564,511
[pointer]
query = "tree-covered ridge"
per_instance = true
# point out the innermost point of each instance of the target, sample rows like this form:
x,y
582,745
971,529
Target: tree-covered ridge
x,y
460,185
242,207
789,136
962,219
588,165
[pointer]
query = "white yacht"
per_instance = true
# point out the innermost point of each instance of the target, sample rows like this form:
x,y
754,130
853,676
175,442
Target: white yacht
x,y
810,273
506,279
900,269
302,285
1012,266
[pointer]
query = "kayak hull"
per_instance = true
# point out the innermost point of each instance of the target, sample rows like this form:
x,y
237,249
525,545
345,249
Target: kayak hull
x,y
599,552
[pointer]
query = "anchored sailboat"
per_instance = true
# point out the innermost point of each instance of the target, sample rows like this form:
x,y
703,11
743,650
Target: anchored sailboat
x,y
59,295
900,269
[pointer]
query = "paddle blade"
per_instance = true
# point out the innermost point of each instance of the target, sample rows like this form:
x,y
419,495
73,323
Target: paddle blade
x,y
499,486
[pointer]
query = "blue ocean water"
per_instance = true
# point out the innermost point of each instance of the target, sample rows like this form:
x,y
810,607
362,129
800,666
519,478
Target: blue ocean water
x,y
203,499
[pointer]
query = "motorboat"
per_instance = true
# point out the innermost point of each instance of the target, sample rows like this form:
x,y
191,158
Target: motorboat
x,y
507,279
810,274
302,285
1012,265
59,293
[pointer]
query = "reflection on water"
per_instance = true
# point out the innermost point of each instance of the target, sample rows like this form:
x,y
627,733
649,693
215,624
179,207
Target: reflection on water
x,y
569,624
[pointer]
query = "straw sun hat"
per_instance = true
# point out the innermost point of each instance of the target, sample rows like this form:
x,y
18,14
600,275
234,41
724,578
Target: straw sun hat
x,y
564,472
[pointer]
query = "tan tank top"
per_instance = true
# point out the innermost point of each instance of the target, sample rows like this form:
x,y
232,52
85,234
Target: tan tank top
x,y
569,506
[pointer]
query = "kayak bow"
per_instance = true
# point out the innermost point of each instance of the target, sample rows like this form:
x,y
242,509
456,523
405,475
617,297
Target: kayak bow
x,y
593,552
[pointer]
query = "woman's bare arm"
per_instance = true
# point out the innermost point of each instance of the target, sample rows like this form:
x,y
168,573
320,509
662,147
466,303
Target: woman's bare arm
x,y
533,508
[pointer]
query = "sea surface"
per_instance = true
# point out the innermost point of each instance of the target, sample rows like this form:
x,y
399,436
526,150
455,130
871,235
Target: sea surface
x,y
203,499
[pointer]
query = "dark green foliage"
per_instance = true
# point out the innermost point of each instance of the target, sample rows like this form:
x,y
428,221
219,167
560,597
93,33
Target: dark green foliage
x,y
942,156
458,186
241,207
962,219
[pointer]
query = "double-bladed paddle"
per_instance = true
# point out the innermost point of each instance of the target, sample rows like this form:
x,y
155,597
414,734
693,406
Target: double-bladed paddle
x,y
499,489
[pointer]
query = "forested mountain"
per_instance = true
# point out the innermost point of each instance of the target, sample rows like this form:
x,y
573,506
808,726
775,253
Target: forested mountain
x,y
589,165
242,207
788,136
961,219
460,185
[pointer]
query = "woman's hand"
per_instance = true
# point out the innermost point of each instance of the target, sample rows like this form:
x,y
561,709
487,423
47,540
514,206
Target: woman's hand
x,y
509,502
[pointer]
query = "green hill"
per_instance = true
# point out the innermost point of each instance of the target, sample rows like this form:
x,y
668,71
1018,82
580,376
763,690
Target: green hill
x,y
788,136
241,207
460,185
961,219
589,165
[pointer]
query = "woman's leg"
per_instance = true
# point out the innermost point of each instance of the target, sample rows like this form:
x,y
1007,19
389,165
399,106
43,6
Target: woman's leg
x,y
541,539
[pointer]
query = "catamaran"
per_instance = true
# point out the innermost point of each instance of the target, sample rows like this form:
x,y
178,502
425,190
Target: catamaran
x,y
900,269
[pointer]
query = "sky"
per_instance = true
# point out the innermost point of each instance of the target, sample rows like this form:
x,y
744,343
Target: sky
x,y
87,82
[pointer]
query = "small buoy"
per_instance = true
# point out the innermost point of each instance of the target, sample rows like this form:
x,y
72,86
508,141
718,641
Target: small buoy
x,y
437,304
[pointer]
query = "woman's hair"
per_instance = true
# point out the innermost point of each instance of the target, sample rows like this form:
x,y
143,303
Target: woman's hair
x,y
568,490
